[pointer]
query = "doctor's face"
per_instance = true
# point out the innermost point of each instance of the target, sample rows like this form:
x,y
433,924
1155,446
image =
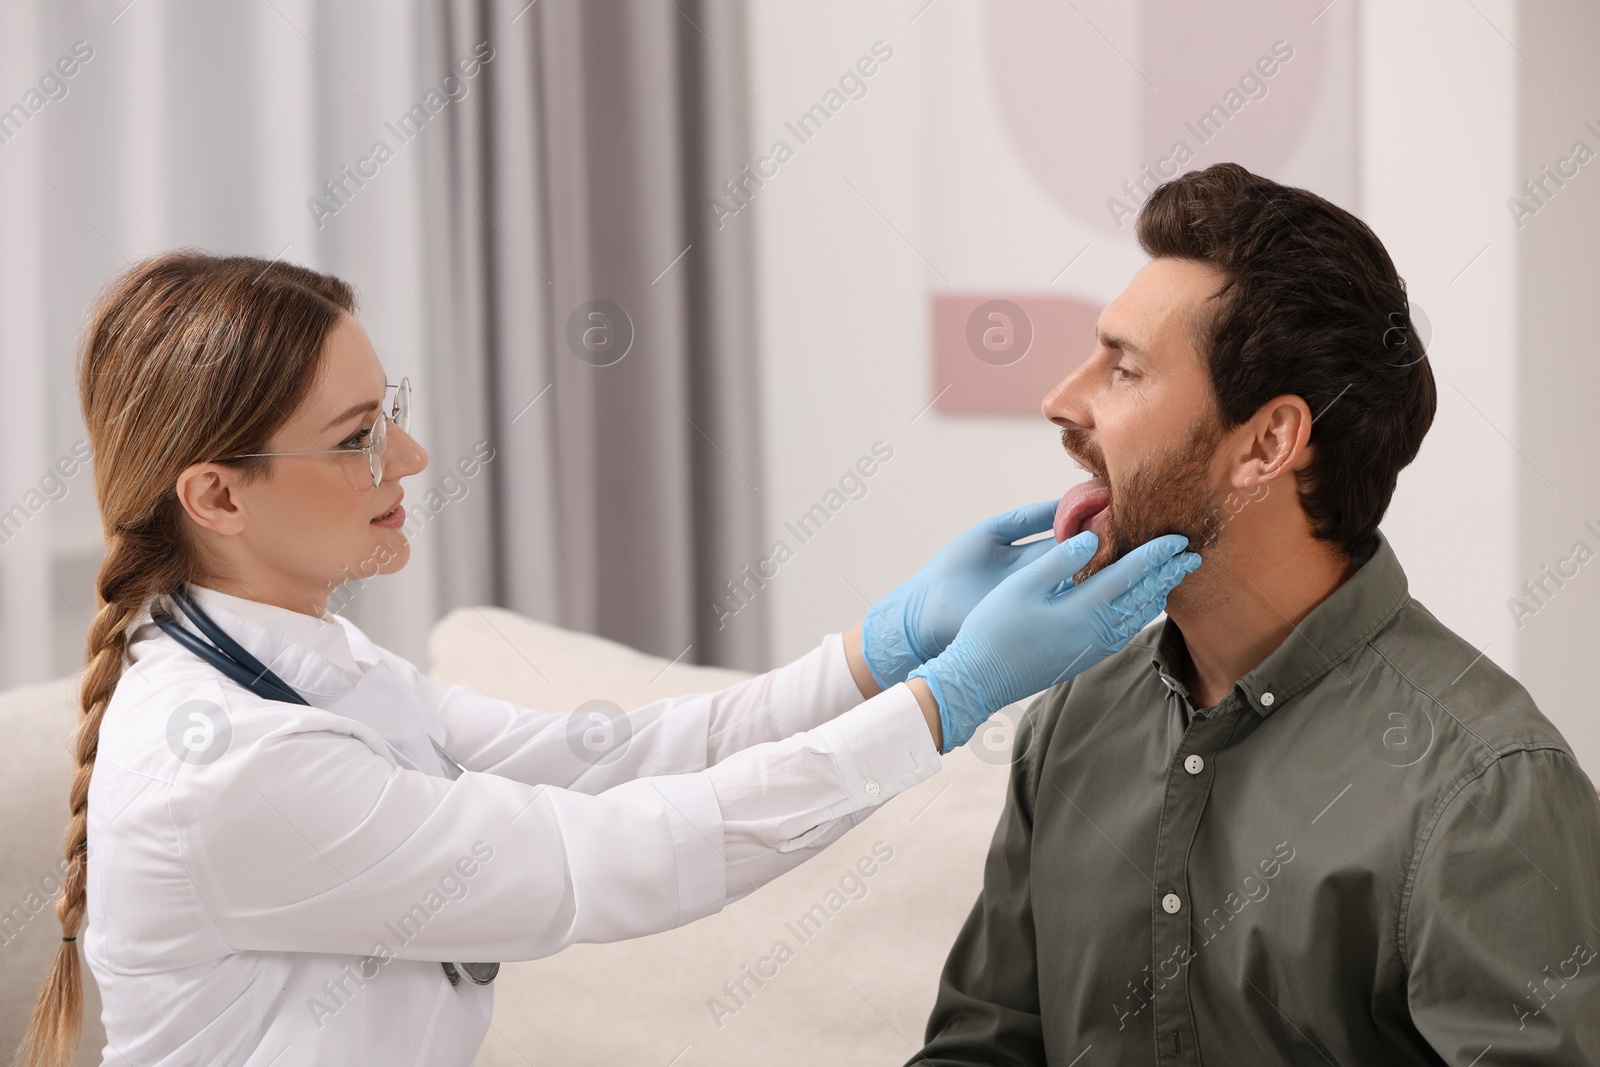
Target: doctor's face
x,y
317,521
324,520
1140,416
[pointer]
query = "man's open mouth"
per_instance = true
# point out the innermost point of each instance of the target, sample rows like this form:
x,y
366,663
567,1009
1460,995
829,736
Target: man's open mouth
x,y
1082,507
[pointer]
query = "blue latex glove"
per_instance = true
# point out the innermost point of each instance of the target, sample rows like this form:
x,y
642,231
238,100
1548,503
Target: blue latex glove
x,y
1037,629
916,620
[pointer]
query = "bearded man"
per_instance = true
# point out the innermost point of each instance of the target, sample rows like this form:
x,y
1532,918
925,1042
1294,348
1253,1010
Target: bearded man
x,y
1299,821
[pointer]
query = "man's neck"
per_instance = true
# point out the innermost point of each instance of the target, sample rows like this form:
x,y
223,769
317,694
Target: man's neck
x,y
1251,599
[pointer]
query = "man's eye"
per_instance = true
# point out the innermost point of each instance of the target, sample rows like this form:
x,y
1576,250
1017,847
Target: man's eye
x,y
1122,373
356,440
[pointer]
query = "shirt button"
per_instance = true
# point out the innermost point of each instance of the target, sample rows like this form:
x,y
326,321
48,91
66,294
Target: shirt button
x,y
1171,904
872,789
1267,699
1170,684
1194,764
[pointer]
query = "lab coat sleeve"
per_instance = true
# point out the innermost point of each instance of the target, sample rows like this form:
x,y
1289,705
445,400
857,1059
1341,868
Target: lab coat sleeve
x,y
785,801
597,748
303,837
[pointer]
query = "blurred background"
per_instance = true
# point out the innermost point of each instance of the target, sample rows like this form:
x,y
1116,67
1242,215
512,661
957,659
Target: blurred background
x,y
670,276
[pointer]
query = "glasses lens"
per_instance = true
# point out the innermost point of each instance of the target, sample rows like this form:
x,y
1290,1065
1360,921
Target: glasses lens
x,y
402,404
380,442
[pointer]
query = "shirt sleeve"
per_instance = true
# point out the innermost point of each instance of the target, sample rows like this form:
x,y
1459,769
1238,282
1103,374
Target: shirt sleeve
x,y
987,1008
1500,932
596,748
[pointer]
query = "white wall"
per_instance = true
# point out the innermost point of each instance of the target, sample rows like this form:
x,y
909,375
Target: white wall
x,y
1560,375
1438,143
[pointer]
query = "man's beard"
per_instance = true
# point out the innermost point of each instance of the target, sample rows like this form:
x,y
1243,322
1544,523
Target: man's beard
x,y
1168,494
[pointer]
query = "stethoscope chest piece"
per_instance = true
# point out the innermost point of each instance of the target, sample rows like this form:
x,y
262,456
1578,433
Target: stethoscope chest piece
x,y
477,973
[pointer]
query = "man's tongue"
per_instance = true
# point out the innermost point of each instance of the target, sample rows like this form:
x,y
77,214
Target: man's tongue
x,y
1079,505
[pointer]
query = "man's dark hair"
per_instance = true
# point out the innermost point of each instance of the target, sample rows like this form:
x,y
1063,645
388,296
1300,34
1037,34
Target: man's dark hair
x,y
1312,306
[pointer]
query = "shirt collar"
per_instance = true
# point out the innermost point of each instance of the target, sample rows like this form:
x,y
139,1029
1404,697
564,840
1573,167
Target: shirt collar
x,y
312,654
1333,630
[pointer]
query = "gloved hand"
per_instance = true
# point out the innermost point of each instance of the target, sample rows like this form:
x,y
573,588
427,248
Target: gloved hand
x,y
1037,629
916,620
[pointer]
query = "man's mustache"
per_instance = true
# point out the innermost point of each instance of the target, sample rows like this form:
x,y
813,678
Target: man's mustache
x,y
1081,447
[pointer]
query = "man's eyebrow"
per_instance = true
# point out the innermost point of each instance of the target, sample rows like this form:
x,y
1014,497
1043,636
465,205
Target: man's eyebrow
x,y
1120,343
353,409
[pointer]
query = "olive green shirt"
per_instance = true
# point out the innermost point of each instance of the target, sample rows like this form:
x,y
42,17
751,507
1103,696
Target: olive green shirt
x,y
1374,850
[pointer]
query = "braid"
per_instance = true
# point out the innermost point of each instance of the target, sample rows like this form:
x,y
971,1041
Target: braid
x,y
133,569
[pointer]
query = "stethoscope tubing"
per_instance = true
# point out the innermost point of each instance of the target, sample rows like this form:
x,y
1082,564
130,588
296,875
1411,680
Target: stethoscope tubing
x,y
226,654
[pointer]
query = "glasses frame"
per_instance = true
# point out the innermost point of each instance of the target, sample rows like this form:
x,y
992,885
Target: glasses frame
x,y
374,448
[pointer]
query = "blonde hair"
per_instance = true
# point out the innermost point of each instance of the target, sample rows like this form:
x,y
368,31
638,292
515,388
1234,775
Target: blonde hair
x,y
186,357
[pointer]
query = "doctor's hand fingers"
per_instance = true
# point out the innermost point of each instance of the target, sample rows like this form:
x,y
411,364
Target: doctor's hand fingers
x,y
1124,624
1025,555
1053,570
1023,522
1133,610
1126,573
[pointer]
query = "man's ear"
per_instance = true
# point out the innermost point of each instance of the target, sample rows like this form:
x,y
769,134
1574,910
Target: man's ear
x,y
206,492
1276,440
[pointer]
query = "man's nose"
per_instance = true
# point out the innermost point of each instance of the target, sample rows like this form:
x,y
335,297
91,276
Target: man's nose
x,y
1068,403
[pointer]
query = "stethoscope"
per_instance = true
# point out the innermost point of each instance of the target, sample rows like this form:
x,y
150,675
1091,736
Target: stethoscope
x,y
233,660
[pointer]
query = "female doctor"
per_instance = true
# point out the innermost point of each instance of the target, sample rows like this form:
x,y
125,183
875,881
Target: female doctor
x,y
304,850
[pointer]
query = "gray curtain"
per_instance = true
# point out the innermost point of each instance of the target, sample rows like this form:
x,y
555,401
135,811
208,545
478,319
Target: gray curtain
x,y
622,495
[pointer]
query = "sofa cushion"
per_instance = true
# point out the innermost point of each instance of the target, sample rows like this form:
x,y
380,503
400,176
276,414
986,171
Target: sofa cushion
x,y
36,765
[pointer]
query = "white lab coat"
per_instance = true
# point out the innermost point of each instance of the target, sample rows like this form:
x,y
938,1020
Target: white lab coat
x,y
288,901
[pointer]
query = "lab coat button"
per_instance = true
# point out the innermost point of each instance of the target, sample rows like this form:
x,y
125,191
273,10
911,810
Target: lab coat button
x,y
1194,764
872,789
1171,904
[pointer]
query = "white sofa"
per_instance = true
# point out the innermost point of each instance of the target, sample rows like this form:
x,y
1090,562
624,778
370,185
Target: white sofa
x,y
851,986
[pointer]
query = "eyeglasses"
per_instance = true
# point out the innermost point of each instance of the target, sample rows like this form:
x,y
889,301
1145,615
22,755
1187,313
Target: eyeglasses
x,y
378,436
